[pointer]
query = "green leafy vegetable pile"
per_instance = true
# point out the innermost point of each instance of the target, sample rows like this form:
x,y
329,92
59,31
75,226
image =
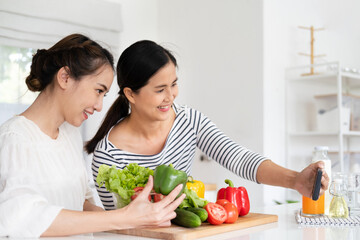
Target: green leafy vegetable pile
x,y
123,181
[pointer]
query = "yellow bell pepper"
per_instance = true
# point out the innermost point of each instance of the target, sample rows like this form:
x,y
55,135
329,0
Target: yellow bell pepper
x,y
197,186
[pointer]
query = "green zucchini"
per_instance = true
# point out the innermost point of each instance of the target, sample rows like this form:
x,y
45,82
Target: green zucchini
x,y
201,212
186,218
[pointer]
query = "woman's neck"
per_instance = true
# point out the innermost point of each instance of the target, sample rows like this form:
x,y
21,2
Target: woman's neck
x,y
149,129
45,113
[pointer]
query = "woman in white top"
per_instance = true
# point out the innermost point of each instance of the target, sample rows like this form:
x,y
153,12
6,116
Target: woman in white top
x,y
146,126
43,184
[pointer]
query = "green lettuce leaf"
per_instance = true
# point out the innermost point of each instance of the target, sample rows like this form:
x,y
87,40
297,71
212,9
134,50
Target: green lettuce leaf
x,y
123,181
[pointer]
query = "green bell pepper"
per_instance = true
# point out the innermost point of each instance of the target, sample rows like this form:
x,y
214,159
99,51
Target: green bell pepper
x,y
166,178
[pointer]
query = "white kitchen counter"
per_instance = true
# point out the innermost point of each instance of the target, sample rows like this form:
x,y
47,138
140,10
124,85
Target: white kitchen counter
x,y
286,228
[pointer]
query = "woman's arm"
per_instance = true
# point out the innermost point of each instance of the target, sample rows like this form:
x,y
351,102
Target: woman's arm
x,y
303,182
70,222
88,206
139,213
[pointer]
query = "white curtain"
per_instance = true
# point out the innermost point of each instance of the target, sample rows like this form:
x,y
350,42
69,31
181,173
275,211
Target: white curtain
x,y
41,23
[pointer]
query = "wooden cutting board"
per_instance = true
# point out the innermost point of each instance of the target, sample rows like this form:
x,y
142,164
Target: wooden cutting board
x,y
181,233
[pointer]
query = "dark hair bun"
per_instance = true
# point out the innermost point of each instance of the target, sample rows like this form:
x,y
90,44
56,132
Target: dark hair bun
x,y
33,81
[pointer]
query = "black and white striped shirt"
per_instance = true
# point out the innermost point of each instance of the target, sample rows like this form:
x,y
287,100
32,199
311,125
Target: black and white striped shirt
x,y
191,129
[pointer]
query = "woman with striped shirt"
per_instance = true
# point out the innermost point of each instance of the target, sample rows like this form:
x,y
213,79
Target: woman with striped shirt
x,y
145,126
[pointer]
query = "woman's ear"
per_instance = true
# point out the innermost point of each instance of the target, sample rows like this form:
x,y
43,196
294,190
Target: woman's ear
x,y
63,77
129,94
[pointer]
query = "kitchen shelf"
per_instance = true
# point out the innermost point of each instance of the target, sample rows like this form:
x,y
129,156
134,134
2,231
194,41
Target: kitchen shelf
x,y
352,133
345,153
354,76
322,76
316,133
312,133
351,77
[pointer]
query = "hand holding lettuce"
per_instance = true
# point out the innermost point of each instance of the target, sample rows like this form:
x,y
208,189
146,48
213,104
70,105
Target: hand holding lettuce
x,y
122,182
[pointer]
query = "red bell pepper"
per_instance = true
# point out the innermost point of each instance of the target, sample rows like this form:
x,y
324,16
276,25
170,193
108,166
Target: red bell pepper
x,y
238,196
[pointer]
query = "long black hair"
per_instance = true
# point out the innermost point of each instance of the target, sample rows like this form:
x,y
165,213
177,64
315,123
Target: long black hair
x,y
136,65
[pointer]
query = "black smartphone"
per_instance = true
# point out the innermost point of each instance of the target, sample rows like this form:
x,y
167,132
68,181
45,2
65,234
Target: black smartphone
x,y
317,185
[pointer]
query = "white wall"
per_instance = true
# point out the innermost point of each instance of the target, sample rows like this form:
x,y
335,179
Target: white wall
x,y
218,45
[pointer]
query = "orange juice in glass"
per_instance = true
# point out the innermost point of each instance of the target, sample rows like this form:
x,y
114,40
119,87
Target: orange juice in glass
x,y
311,207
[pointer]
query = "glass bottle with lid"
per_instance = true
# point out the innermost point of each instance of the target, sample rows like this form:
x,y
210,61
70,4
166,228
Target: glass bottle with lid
x,y
338,206
321,205
321,154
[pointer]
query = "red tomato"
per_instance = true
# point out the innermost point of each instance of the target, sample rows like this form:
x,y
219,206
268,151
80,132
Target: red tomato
x,y
217,213
137,192
158,197
222,202
232,212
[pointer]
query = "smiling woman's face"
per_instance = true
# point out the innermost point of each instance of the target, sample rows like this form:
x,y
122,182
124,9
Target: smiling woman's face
x,y
87,95
154,100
